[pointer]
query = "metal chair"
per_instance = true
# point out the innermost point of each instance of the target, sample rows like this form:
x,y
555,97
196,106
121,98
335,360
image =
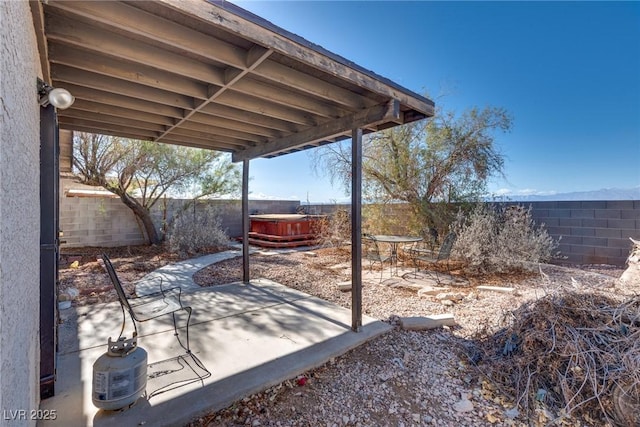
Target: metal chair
x,y
371,251
424,254
141,309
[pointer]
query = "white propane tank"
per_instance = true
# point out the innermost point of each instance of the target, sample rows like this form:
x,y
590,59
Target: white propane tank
x,y
119,375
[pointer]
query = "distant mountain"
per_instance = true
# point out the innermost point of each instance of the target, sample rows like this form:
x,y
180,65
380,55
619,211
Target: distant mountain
x,y
603,194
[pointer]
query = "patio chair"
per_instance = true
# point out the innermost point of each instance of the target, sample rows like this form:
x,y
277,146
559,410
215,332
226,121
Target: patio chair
x,y
141,309
426,255
371,251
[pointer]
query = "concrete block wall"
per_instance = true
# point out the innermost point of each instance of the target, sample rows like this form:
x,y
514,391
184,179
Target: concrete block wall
x,y
97,221
106,221
229,210
591,232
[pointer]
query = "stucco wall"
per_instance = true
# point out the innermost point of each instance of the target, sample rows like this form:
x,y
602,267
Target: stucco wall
x,y
19,213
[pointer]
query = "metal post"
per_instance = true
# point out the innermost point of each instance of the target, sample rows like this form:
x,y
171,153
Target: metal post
x,y
49,189
245,222
356,230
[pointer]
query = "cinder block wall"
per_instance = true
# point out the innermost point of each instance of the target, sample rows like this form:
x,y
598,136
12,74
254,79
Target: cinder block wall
x,y
591,232
106,221
97,221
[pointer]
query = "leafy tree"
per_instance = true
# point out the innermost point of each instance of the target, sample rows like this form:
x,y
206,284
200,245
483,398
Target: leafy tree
x,y
141,172
427,164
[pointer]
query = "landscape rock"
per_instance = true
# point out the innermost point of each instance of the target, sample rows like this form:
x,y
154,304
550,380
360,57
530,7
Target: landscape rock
x,y
495,289
430,290
428,322
452,296
463,405
344,286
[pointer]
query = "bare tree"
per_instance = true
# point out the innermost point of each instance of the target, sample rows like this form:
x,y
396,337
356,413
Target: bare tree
x,y
141,172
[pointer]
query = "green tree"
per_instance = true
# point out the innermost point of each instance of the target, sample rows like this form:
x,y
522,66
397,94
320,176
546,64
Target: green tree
x,y
427,164
141,172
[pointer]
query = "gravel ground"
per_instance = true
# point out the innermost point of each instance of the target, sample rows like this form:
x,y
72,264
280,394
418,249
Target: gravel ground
x,y
403,378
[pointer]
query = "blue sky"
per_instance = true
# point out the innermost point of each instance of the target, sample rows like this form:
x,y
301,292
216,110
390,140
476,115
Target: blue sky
x,y
568,72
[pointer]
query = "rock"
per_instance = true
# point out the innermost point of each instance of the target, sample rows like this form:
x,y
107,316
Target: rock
x,y
430,290
631,276
512,413
344,286
310,254
495,289
428,322
73,293
447,302
452,296
463,405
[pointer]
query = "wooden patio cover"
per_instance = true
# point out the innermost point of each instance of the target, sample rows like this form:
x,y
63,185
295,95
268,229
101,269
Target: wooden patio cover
x,y
211,75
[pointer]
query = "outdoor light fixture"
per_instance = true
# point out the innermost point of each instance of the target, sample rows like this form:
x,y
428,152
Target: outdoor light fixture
x,y
58,97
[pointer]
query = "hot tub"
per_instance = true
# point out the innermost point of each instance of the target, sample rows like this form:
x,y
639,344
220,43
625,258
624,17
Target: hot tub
x,y
284,230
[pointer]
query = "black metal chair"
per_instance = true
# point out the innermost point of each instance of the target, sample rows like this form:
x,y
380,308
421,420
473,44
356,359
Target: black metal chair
x,y
371,252
427,255
141,309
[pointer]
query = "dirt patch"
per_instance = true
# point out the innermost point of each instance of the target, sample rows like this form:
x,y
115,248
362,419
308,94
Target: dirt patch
x,y
79,269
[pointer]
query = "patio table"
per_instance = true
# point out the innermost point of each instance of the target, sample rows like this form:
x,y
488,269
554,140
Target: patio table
x,y
393,242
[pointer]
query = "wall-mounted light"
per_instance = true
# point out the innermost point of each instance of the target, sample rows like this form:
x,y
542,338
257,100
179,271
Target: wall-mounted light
x,y
58,97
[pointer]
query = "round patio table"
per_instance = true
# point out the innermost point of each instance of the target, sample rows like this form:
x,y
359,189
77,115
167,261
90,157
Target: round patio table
x,y
393,242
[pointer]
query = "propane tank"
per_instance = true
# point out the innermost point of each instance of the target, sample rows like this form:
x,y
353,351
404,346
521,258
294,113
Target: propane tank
x,y
120,374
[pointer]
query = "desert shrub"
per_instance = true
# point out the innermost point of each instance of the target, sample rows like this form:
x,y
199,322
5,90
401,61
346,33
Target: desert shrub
x,y
196,229
335,229
498,238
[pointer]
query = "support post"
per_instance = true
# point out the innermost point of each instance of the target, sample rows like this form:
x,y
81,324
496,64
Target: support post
x,y
245,222
356,230
49,188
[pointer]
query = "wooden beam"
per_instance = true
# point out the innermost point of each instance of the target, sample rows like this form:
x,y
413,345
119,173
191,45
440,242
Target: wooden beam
x,y
124,70
92,38
283,96
203,128
66,74
90,129
356,230
129,19
108,98
111,110
206,119
380,113
207,136
300,50
269,109
323,89
233,113
212,145
189,142
112,128
106,118
257,54
37,14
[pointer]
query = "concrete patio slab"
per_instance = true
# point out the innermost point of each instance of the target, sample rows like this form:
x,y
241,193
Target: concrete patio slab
x,y
249,337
